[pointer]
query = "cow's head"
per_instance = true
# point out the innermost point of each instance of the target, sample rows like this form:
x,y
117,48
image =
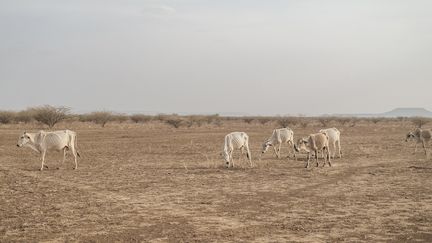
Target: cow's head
x,y
23,139
409,136
265,146
226,157
302,144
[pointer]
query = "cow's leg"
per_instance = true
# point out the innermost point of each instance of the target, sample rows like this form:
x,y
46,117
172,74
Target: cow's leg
x,y
231,159
308,159
339,149
274,149
289,150
43,160
328,157
279,149
64,155
248,154
75,154
316,157
334,149
293,150
324,156
424,147
415,147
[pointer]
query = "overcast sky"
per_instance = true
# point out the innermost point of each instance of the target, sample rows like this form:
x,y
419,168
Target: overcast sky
x,y
202,56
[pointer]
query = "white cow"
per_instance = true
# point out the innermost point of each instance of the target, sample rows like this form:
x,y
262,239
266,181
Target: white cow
x,y
42,142
314,143
278,137
235,140
420,136
334,139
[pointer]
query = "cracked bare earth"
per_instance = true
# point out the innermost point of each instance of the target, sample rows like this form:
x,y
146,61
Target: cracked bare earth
x,y
152,183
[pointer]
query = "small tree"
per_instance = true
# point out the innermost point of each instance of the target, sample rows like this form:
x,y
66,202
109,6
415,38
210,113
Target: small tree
x,y
50,115
420,121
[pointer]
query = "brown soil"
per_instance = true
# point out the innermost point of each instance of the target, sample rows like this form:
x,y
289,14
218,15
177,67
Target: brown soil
x,y
139,183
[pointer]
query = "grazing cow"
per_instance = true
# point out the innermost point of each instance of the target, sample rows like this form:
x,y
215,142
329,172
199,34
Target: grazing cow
x,y
42,142
278,137
422,136
334,139
314,143
235,140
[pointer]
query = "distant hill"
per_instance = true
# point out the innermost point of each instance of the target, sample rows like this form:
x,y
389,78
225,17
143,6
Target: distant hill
x,y
398,112
408,112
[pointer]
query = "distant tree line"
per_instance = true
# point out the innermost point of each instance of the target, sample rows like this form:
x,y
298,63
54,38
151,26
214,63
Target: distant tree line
x,y
51,115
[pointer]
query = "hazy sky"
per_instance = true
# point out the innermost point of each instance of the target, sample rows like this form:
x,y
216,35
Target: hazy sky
x,y
202,56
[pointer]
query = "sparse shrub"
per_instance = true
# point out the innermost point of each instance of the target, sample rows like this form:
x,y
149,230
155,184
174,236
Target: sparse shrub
x,y
189,122
161,117
212,118
198,120
401,118
140,118
324,121
248,120
174,122
120,118
286,121
303,121
420,121
263,120
99,117
7,117
50,115
344,120
218,122
25,116
194,120
354,121
375,120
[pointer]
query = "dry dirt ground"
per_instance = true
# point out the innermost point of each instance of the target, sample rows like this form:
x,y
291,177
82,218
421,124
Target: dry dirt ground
x,y
142,183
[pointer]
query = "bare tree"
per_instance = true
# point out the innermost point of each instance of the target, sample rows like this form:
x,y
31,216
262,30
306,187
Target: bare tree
x,y
50,115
